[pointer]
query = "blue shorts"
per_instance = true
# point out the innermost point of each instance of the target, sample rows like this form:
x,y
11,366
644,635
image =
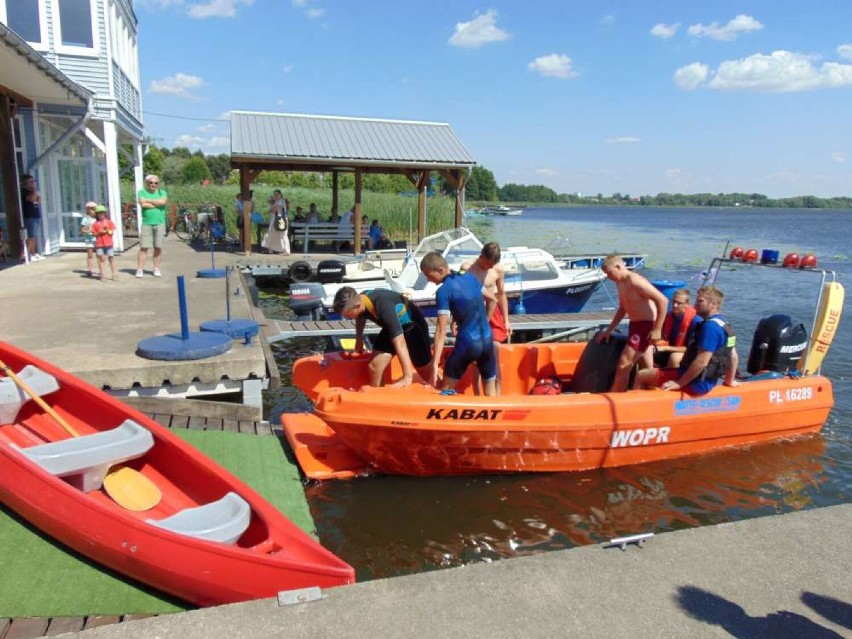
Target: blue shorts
x,y
464,353
109,251
33,226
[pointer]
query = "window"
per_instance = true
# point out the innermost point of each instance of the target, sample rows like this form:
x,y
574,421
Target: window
x,y
75,19
26,18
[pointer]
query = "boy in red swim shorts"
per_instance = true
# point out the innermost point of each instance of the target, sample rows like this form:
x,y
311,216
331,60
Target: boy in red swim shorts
x,y
645,306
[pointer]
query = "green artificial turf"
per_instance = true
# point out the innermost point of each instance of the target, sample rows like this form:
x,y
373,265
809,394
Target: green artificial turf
x,y
40,578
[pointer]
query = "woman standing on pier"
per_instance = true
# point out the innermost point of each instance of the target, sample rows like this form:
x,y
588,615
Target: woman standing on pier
x,y
277,239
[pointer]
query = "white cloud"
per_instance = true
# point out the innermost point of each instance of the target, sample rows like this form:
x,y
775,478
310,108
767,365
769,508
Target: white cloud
x,y
206,128
608,20
554,65
189,141
213,144
287,68
665,31
481,30
845,51
691,76
838,157
314,13
180,85
299,3
216,8
624,139
779,72
735,27
546,172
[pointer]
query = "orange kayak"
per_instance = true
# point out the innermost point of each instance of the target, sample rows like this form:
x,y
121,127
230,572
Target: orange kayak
x,y
419,431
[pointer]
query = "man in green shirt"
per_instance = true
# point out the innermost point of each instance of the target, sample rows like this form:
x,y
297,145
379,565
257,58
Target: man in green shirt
x,y
153,201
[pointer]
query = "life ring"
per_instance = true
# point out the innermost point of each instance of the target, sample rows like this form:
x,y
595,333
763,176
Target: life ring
x,y
300,271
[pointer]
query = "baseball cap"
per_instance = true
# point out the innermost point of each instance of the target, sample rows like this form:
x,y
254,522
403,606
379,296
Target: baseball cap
x,y
100,208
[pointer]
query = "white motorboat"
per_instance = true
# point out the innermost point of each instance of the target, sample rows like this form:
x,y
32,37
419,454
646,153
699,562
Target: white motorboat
x,y
535,280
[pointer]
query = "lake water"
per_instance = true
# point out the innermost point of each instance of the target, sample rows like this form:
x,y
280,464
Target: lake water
x,y
386,526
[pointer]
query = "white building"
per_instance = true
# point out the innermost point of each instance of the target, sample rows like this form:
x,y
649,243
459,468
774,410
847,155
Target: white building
x,y
69,105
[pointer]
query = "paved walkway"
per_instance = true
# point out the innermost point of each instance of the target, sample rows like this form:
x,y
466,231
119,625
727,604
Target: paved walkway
x,y
786,576
92,328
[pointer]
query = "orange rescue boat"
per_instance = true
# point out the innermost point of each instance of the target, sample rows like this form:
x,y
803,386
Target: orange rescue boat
x,y
419,431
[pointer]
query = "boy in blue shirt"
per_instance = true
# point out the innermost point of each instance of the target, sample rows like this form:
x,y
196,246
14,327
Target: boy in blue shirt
x,y
460,298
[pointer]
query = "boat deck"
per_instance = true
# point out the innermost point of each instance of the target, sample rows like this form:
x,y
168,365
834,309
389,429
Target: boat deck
x,y
540,322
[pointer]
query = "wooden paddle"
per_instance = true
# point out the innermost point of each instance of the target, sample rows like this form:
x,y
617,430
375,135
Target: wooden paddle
x,y
129,488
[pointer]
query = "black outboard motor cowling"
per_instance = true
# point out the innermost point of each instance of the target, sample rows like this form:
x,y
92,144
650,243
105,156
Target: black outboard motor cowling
x,y
306,300
779,343
331,271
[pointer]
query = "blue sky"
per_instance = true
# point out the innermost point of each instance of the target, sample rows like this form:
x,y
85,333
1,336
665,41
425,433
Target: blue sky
x,y
626,96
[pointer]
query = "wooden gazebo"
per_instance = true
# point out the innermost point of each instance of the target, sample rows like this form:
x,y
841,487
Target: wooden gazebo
x,y
331,144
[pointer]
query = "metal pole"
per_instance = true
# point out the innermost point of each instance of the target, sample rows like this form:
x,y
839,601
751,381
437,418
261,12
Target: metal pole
x,y
184,320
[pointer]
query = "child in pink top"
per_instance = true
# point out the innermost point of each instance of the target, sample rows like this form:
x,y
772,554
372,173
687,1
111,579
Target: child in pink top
x,y
103,230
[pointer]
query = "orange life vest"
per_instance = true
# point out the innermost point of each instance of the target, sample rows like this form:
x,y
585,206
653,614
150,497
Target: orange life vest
x,y
685,321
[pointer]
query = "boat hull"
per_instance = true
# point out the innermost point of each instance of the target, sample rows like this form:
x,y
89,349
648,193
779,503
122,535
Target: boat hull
x,y
418,431
272,555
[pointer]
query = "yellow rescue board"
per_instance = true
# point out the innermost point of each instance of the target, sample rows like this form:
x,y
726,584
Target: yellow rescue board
x,y
827,322
347,343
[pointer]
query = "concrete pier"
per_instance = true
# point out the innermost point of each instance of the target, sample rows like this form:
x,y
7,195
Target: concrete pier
x,y
91,328
777,577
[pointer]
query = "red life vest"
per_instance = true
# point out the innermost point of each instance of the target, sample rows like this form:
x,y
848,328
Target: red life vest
x,y
685,321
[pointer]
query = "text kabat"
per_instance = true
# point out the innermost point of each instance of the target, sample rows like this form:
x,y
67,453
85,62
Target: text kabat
x,y
463,413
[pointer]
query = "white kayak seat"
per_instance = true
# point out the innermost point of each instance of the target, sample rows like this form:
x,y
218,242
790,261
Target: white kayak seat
x,y
224,520
12,397
87,459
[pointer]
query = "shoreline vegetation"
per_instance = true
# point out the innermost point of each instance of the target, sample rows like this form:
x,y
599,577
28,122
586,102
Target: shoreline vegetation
x,y
397,213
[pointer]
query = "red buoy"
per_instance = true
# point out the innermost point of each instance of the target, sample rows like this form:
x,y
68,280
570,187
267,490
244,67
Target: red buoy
x,y
791,260
808,261
736,253
750,255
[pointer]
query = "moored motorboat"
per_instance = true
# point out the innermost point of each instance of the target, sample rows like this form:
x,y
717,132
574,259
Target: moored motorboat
x,y
419,431
535,281
210,539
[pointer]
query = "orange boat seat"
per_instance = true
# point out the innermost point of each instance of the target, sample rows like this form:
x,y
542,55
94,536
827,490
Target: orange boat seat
x,y
86,459
224,520
12,397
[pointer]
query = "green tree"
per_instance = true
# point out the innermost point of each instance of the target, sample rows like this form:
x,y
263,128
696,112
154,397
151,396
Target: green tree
x,y
152,162
195,171
481,185
220,167
172,171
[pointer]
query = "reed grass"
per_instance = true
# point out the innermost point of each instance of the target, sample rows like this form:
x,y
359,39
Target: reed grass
x,y
396,213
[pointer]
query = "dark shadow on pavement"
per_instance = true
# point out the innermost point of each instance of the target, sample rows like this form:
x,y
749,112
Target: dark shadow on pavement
x,y
832,609
715,610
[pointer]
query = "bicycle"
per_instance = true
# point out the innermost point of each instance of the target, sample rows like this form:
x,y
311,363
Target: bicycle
x,y
188,229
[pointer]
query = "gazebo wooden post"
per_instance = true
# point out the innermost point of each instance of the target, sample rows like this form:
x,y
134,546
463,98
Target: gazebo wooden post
x,y
357,214
457,180
422,182
247,176
335,184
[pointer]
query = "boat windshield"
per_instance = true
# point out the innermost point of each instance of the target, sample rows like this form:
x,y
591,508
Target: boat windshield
x,y
456,245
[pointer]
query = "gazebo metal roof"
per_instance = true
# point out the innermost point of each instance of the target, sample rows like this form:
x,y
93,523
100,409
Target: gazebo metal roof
x,y
286,141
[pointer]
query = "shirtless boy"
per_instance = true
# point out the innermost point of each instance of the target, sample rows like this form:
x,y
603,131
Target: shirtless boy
x,y
645,306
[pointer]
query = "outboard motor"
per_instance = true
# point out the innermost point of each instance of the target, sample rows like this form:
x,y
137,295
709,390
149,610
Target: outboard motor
x,y
596,368
306,300
331,271
778,345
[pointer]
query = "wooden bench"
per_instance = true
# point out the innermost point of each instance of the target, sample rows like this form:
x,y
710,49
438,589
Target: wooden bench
x,y
307,232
